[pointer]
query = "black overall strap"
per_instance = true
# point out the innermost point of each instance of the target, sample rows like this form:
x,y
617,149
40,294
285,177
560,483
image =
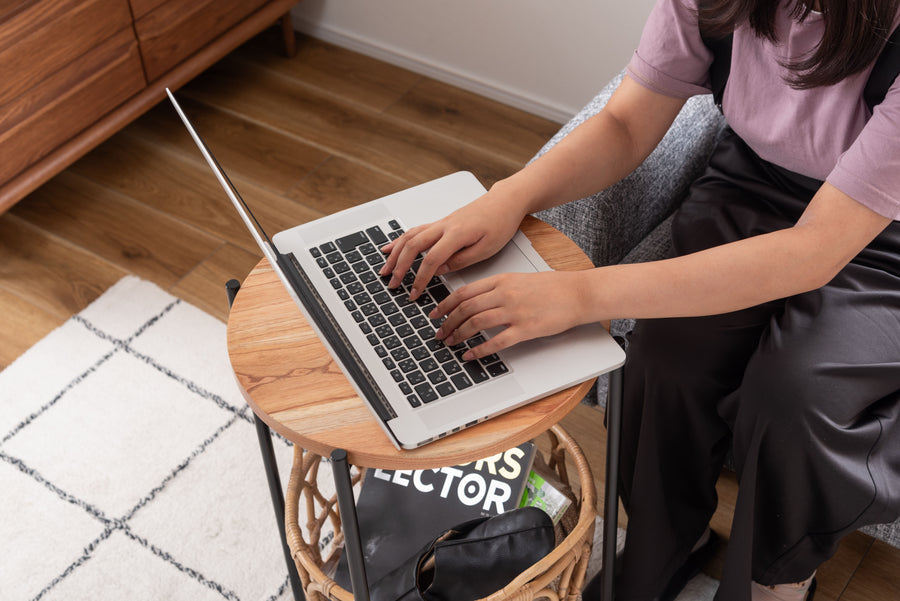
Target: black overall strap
x,y
884,73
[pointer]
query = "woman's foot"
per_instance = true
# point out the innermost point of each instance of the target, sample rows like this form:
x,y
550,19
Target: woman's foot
x,y
797,591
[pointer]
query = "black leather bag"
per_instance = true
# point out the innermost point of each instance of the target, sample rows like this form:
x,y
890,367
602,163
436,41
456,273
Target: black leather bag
x,y
471,560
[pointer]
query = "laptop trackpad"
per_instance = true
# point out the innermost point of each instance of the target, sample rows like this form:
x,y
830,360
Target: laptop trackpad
x,y
510,259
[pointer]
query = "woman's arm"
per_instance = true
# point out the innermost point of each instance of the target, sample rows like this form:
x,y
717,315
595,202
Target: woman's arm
x,y
833,229
598,153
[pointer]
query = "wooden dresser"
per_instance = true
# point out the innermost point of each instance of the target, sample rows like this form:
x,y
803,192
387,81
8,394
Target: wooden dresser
x,y
75,71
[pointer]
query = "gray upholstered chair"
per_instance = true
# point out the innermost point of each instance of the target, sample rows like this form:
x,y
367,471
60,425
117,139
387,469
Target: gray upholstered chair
x,y
631,221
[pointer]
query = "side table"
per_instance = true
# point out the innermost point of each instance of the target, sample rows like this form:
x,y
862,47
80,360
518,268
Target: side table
x,y
293,386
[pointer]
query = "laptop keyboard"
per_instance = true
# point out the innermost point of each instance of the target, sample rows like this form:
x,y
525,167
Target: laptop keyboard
x,y
401,333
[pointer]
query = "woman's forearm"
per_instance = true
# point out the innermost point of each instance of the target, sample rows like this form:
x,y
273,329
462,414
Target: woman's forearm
x,y
598,153
741,274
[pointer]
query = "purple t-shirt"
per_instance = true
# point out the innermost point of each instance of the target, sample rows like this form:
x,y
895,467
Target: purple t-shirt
x,y
826,133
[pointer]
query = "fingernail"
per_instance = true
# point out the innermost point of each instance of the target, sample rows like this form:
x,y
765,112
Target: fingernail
x,y
414,293
468,355
439,333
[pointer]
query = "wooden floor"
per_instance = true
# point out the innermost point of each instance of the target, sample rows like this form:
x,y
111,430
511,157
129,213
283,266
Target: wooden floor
x,y
302,138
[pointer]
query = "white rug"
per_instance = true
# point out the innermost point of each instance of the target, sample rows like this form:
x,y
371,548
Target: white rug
x,y
129,463
130,468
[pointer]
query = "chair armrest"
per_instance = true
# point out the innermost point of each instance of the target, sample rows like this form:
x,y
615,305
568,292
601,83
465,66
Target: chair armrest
x,y
610,223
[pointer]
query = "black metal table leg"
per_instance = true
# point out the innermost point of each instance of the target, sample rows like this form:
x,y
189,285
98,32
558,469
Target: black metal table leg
x,y
264,436
350,525
611,497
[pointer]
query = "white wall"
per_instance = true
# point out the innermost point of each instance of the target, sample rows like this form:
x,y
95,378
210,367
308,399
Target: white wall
x,y
548,57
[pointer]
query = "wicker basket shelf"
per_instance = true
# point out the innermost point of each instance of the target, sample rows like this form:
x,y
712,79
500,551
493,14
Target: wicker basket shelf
x,y
559,576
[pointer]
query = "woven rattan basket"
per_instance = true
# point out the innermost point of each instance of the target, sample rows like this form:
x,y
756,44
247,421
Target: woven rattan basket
x,y
558,576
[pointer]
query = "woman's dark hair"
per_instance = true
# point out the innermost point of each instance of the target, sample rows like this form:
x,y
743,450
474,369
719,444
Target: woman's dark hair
x,y
855,32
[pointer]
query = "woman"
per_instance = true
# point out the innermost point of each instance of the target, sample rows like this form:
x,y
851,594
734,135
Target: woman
x,y
773,332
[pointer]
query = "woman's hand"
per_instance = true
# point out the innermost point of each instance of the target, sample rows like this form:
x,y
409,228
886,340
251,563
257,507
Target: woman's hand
x,y
466,236
527,305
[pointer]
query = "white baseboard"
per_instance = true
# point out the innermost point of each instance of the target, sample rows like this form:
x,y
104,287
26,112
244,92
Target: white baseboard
x,y
445,73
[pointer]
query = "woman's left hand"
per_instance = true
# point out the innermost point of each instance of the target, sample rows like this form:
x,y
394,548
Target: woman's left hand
x,y
526,305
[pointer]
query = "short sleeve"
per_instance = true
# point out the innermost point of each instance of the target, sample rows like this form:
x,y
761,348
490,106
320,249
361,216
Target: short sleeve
x,y
869,171
671,58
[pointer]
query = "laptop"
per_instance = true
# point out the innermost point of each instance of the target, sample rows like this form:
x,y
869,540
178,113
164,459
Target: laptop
x,y
418,389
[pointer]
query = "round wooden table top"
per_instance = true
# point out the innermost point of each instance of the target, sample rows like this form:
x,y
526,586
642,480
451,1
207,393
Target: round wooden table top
x,y
290,380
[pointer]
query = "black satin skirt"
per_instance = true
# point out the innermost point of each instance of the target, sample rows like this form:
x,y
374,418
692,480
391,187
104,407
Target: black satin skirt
x,y
804,392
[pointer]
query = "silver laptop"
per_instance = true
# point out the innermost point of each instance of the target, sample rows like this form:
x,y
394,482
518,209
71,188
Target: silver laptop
x,y
418,389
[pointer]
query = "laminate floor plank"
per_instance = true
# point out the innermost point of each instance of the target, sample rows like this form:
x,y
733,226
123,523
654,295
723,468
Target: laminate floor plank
x,y
260,154
137,238
204,287
395,147
336,71
502,130
835,575
186,189
22,324
878,576
52,274
339,184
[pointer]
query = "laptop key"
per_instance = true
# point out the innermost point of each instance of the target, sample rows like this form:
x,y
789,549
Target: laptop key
x,y
475,371
445,389
426,392
413,401
497,369
399,353
351,241
461,381
451,367
377,235
436,377
439,292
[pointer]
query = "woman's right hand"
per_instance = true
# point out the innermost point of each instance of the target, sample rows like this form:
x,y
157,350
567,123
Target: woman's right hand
x,y
466,236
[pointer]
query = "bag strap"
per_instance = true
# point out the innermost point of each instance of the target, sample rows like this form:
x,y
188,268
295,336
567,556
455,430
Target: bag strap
x,y
884,73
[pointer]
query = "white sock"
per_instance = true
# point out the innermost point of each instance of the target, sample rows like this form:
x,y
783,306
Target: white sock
x,y
795,591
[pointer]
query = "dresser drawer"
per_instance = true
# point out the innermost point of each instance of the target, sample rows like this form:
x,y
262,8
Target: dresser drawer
x,y
68,101
175,30
39,38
